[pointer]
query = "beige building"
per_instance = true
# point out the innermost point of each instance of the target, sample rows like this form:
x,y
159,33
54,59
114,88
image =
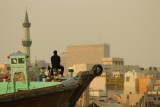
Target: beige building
x,y
81,67
152,99
90,54
117,65
64,60
131,83
129,100
112,61
115,70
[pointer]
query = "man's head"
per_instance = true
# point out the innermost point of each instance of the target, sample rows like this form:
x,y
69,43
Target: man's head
x,y
55,52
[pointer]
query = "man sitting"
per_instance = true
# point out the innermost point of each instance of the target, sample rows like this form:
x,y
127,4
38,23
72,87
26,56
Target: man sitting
x,y
55,61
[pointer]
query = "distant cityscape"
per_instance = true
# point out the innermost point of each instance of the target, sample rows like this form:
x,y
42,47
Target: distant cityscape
x,y
120,85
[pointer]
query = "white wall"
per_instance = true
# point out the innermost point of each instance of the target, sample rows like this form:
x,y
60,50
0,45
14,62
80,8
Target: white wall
x,y
129,82
130,86
98,83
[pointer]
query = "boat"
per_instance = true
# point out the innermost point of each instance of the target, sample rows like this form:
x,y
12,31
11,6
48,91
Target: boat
x,y
64,92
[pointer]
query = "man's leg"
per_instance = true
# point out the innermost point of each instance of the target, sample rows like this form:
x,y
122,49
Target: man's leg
x,y
51,73
62,69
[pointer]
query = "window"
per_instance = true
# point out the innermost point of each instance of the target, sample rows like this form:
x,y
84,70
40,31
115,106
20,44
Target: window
x,y
14,61
127,79
21,60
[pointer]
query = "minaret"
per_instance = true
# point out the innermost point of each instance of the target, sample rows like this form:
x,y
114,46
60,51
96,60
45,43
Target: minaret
x,y
26,41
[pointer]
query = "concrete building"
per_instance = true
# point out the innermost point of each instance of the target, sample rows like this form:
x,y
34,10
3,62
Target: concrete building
x,y
64,60
129,100
112,61
115,70
152,99
130,81
115,78
147,99
152,72
143,82
117,65
115,83
136,85
90,54
26,42
99,83
81,67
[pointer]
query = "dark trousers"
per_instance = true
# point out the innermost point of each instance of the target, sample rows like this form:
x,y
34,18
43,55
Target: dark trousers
x,y
59,67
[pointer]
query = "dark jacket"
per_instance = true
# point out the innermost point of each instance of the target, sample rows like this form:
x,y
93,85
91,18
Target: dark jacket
x,y
55,61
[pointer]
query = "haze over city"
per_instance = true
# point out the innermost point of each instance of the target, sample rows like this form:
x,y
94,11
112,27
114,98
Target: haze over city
x,y
130,27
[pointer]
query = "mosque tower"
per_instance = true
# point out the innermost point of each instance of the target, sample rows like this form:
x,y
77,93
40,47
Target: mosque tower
x,y
26,42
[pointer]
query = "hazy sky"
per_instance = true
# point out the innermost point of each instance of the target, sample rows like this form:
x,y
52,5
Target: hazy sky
x,y
131,27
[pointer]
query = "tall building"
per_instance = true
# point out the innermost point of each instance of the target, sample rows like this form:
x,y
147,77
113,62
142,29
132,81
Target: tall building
x,y
26,42
90,54
64,59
